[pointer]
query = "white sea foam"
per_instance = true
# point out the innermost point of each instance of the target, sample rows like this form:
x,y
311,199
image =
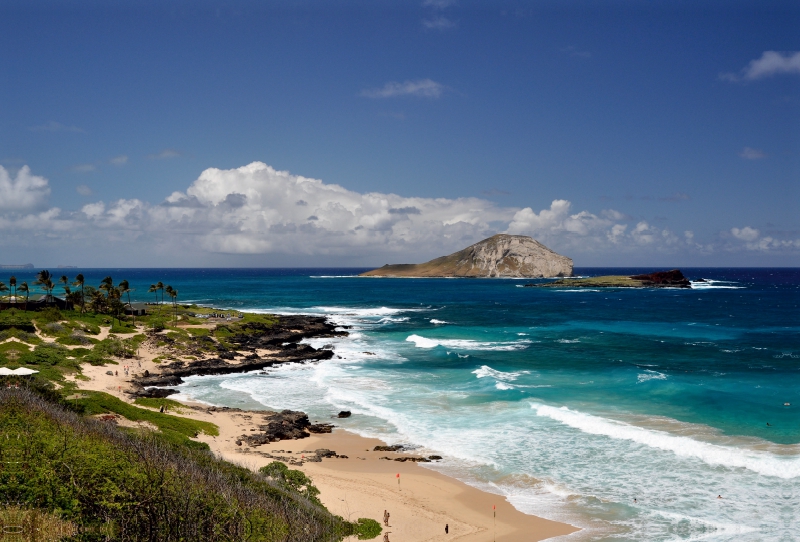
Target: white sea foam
x,y
365,313
467,344
709,284
650,375
438,322
486,371
763,463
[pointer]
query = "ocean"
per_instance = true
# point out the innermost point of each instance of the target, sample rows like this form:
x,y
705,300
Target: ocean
x,y
623,412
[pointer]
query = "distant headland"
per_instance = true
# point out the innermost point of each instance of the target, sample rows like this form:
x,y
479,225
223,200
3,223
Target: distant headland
x,y
502,255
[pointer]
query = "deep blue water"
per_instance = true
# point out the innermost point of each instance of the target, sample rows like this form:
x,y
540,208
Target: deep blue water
x,y
569,402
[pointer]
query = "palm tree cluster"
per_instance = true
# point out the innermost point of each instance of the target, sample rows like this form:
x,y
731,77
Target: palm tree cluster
x,y
170,291
23,288
106,298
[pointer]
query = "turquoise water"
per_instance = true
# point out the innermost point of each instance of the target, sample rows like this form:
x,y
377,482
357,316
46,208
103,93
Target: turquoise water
x,y
570,403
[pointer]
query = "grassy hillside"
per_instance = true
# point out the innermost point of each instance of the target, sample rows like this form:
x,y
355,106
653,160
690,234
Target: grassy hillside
x,y
116,484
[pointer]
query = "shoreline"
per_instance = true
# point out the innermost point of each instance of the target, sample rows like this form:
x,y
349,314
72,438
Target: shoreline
x,y
363,485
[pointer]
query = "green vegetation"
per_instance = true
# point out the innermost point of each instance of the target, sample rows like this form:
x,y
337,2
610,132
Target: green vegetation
x,y
174,428
367,529
291,479
140,487
174,406
68,468
16,319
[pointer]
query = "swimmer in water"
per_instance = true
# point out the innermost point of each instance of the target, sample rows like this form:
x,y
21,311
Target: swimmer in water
x,y
719,496
769,424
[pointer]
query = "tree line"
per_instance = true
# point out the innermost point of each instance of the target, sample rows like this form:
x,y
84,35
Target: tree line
x,y
106,298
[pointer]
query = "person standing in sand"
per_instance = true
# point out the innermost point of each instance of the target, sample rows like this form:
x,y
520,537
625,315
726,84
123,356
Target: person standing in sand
x,y
446,528
385,518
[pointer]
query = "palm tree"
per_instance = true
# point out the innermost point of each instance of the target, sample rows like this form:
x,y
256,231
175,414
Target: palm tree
x,y
13,283
114,303
79,281
24,288
64,281
124,288
45,279
3,287
173,294
107,284
154,288
160,286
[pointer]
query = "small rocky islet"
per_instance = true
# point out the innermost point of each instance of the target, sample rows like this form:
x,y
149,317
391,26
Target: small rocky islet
x,y
660,279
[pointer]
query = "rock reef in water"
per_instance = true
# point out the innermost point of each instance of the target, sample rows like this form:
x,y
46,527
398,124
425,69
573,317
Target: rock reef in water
x,y
499,256
659,279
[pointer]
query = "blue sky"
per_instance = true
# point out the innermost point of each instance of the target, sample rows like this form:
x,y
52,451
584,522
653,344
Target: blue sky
x,y
617,133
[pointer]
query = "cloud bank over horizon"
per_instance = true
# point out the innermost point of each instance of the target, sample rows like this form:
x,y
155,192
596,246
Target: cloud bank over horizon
x,y
257,210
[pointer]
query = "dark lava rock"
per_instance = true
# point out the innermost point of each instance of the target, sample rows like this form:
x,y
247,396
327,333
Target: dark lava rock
x,y
288,424
320,428
324,452
395,448
434,457
673,278
344,414
167,380
155,393
227,355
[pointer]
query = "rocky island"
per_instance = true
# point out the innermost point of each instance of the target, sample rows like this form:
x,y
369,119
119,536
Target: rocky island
x,y
502,255
659,279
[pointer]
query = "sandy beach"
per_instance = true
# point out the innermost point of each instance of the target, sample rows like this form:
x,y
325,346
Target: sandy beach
x,y
363,485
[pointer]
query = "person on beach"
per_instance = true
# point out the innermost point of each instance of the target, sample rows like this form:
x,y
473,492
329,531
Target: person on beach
x,y
446,528
385,518
386,537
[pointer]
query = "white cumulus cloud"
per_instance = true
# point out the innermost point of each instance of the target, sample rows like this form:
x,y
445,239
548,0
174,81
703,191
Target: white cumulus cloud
x,y
256,210
745,234
770,64
425,88
24,192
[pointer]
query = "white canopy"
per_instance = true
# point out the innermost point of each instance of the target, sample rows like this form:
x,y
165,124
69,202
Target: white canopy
x,y
22,371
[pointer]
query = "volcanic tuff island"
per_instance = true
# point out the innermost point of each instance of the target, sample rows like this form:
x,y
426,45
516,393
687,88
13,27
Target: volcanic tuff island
x,y
498,256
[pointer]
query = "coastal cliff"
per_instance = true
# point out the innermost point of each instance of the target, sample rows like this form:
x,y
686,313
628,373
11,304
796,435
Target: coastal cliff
x,y
498,256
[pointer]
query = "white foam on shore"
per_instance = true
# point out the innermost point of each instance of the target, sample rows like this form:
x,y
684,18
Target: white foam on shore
x,y
763,463
467,344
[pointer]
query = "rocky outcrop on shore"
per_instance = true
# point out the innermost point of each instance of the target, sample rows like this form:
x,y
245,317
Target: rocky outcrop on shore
x,y
499,256
284,425
256,346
